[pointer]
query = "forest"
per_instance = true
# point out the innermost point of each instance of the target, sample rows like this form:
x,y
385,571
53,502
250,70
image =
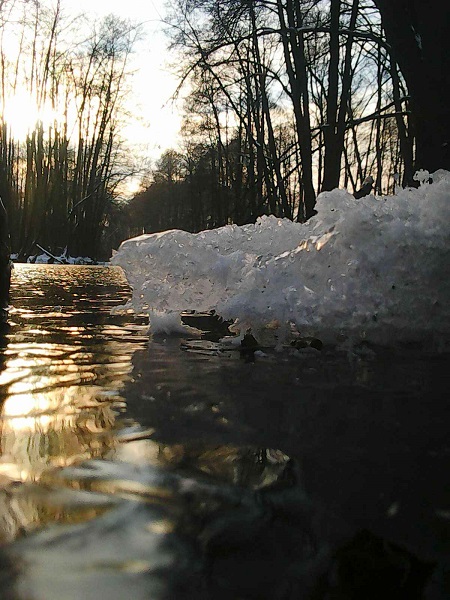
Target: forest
x,y
59,180
281,100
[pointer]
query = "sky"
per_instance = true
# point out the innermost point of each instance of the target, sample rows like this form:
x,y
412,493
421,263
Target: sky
x,y
157,119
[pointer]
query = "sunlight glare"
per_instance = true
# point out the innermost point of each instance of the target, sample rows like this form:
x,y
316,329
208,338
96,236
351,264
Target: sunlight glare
x,y
21,113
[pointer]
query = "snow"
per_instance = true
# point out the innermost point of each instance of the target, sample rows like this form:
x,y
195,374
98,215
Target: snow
x,y
372,269
44,259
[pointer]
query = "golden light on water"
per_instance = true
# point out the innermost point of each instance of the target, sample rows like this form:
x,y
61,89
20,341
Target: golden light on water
x,y
67,453
60,413
53,414
60,382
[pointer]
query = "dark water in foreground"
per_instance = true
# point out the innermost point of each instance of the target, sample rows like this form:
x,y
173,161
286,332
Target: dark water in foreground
x,y
148,469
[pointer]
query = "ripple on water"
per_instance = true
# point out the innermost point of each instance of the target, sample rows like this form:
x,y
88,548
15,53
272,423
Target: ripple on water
x,y
130,467
65,360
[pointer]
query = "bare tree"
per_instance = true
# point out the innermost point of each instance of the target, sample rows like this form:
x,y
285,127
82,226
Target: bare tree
x,y
420,42
60,181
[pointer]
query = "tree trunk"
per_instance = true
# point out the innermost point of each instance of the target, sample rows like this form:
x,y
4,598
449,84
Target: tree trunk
x,y
332,159
337,109
294,55
420,41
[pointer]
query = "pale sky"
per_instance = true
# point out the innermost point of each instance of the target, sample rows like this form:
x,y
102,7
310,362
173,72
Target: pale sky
x,y
158,120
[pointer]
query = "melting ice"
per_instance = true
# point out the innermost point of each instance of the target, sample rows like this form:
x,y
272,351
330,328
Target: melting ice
x,y
374,269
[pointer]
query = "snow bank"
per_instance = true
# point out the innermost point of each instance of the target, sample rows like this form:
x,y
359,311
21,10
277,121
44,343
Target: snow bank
x,y
374,268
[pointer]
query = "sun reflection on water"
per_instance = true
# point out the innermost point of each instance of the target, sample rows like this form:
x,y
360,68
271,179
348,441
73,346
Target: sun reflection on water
x,y
55,414
67,450
61,373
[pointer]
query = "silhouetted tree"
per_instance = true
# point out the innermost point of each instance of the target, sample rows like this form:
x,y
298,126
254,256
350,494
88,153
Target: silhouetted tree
x,y
59,181
419,35
322,70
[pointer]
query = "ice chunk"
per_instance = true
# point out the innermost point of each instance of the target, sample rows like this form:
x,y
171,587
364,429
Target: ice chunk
x,y
374,268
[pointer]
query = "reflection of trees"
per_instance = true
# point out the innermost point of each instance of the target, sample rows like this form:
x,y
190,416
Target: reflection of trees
x,y
31,445
62,372
27,507
247,466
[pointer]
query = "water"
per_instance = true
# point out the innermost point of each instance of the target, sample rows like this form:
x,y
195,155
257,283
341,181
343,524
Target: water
x,y
163,468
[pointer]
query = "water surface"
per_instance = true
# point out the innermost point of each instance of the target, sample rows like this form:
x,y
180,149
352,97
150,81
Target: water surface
x,y
166,468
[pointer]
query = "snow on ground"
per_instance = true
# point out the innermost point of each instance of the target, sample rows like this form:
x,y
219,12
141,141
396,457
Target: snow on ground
x,y
47,259
374,268
44,259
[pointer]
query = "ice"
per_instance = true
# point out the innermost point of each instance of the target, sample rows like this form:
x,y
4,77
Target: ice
x,y
371,269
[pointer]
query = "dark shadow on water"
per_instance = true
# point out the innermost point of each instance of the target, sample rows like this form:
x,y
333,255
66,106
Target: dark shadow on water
x,y
369,432
192,538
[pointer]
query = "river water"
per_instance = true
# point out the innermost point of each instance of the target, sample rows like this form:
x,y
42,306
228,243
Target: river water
x,y
142,468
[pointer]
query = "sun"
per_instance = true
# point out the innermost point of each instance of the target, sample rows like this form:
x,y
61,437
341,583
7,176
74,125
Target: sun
x,y
21,114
